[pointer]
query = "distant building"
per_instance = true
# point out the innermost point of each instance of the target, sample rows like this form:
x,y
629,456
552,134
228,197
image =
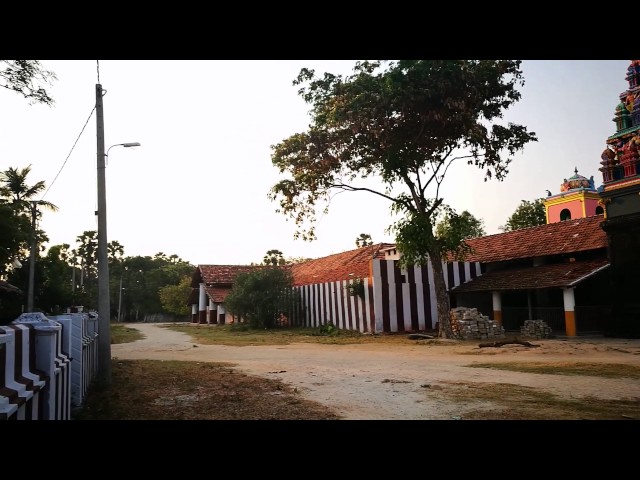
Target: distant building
x,y
578,272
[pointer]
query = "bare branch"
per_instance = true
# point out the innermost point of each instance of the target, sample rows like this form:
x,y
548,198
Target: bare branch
x,y
365,189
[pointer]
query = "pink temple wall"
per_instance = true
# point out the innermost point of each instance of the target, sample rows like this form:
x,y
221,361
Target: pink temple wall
x,y
575,207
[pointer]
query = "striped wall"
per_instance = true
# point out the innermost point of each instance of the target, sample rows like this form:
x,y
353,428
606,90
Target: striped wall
x,y
395,300
322,303
405,299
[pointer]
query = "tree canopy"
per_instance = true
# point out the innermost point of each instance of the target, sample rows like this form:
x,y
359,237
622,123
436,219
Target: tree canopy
x,y
364,240
453,229
273,257
261,296
404,123
66,277
16,214
528,214
173,297
27,77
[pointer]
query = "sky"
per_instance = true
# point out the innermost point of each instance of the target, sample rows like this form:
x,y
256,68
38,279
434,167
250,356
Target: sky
x,y
197,186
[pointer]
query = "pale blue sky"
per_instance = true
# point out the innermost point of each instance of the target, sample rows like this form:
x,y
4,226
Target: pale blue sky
x,y
197,187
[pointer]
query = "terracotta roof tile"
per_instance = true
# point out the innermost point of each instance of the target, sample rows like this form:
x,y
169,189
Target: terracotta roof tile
x,y
543,276
340,266
219,274
551,239
217,294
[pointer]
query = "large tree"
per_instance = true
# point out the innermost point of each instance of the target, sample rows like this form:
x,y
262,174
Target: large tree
x,y
143,278
172,297
55,290
528,214
15,187
14,236
19,213
453,229
16,191
27,77
261,296
402,122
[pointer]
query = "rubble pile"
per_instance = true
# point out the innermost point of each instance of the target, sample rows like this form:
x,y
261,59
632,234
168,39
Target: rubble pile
x,y
470,324
536,329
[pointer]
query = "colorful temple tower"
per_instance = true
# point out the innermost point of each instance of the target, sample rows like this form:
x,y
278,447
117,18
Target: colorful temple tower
x,y
620,196
578,198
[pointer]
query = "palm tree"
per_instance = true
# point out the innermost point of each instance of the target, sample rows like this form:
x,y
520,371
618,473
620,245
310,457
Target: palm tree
x,y
88,251
14,186
273,257
19,196
115,251
364,240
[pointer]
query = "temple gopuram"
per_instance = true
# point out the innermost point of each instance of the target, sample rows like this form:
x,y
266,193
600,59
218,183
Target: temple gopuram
x,y
620,197
578,198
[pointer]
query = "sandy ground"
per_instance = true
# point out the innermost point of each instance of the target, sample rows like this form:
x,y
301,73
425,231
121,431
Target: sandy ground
x,y
388,382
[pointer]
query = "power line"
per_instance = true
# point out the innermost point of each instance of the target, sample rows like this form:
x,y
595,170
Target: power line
x,y
74,146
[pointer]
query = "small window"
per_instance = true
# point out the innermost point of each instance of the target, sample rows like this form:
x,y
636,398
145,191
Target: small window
x,y
565,215
599,210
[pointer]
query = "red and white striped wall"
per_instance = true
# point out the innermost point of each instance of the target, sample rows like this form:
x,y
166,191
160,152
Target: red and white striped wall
x,y
394,300
332,302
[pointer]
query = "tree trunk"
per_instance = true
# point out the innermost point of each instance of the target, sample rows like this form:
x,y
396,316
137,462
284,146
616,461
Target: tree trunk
x,y
442,298
511,341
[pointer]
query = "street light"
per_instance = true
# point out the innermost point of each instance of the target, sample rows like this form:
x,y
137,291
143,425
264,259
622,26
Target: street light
x,y
104,305
126,145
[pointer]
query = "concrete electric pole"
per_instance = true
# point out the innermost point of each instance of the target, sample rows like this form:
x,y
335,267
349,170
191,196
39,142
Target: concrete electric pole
x,y
32,259
104,307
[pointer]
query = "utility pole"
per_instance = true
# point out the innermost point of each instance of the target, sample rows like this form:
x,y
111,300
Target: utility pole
x,y
104,306
32,260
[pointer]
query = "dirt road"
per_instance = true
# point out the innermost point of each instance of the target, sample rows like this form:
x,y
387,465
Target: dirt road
x,y
391,382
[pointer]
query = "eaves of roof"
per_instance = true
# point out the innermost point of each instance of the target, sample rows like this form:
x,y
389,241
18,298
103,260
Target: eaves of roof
x,y
558,275
570,236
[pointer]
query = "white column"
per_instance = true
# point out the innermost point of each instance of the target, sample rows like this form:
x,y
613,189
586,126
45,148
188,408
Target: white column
x,y
202,304
497,307
569,312
210,308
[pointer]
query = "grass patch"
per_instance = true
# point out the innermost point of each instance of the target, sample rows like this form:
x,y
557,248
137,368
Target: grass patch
x,y
606,370
503,401
122,334
241,334
176,390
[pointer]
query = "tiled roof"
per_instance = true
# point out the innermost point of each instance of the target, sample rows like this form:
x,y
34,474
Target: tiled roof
x,y
340,266
218,280
543,276
551,239
217,294
220,274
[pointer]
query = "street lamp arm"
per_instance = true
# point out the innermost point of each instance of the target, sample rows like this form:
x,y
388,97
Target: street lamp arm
x,y
104,305
126,145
